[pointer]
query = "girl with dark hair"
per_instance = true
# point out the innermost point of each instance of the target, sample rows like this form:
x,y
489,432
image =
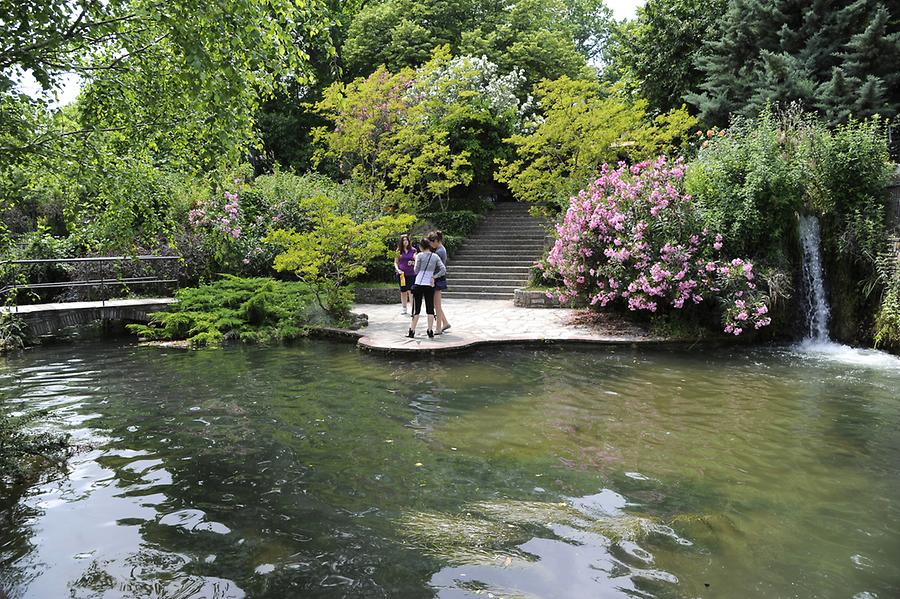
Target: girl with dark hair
x,y
427,267
440,284
403,265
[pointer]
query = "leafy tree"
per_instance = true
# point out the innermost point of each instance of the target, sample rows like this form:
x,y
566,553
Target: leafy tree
x,y
577,130
182,78
403,33
532,35
334,252
661,47
837,56
545,38
591,22
413,137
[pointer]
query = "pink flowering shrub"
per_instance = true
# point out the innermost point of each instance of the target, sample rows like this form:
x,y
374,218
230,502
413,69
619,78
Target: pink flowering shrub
x,y
634,238
233,227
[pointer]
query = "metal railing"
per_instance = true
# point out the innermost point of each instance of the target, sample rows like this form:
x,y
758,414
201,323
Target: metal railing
x,y
103,282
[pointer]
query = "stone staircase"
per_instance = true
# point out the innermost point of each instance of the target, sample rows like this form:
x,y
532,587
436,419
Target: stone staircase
x,y
497,259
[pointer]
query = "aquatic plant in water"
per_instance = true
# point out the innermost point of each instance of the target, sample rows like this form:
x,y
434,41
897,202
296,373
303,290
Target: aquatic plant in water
x,y
487,531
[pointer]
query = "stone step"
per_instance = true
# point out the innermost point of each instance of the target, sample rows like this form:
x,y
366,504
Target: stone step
x,y
505,224
511,237
491,252
511,233
487,267
477,272
527,263
510,207
515,220
482,295
469,278
510,289
488,276
459,283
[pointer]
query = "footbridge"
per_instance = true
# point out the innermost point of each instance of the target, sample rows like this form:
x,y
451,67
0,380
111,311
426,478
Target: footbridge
x,y
47,319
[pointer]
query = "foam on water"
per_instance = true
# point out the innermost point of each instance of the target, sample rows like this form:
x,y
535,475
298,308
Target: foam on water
x,y
844,354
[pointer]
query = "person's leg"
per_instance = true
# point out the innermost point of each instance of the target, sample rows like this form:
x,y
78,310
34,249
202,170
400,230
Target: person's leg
x,y
404,299
442,322
429,309
417,308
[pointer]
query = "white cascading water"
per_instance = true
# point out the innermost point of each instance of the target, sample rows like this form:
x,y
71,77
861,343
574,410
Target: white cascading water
x,y
817,344
816,302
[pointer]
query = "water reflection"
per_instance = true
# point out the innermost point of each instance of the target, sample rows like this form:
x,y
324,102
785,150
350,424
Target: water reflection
x,y
317,471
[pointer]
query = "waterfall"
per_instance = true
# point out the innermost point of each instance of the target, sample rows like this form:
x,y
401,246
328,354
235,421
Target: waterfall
x,y
816,303
817,345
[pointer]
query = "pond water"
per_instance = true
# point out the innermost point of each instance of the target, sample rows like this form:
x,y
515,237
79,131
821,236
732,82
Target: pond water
x,y
318,471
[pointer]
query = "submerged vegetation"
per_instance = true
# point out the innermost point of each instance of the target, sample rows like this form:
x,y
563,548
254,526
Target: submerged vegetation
x,y
24,451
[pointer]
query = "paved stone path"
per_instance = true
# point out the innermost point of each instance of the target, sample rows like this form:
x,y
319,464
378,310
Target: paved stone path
x,y
482,322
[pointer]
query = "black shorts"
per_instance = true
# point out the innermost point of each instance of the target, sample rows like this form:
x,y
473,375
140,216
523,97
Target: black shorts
x,y
440,283
409,283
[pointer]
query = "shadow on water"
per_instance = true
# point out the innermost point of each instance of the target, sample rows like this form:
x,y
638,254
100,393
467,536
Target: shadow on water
x,y
317,471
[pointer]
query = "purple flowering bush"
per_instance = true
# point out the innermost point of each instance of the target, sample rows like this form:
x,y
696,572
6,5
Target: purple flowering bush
x,y
232,236
635,239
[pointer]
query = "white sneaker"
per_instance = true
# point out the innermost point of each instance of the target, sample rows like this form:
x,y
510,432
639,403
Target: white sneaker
x,y
404,313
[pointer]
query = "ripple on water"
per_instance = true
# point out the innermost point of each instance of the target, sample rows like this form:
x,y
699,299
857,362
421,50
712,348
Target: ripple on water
x,y
658,472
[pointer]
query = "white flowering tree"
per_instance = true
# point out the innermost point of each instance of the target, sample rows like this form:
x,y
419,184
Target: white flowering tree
x,y
413,138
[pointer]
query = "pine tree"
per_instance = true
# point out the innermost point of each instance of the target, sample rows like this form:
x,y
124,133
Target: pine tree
x,y
872,63
833,97
730,60
838,56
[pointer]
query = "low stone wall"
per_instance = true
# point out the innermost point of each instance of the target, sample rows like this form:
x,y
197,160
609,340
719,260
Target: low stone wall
x,y
377,295
537,298
893,203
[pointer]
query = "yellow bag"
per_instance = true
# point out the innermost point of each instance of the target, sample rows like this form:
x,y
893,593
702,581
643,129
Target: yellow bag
x,y
402,280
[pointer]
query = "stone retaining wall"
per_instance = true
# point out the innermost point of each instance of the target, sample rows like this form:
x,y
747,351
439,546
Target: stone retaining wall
x,y
537,298
893,202
377,295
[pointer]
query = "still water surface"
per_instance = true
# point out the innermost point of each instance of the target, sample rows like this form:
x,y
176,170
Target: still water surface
x,y
319,471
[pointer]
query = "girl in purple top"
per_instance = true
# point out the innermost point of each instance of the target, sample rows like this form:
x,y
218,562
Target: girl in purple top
x,y
404,265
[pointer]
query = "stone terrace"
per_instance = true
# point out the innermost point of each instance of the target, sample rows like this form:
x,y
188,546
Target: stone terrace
x,y
479,322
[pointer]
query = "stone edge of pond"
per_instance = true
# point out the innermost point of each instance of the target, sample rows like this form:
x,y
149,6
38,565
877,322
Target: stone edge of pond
x,y
427,346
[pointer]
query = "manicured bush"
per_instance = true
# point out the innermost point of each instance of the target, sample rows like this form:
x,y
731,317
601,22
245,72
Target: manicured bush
x,y
636,240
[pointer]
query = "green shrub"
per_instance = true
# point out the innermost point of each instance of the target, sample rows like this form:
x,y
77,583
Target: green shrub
x,y
12,332
750,184
758,174
258,310
459,223
849,170
887,320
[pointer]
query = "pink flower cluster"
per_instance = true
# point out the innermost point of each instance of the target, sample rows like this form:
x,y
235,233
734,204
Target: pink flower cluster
x,y
634,237
221,218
